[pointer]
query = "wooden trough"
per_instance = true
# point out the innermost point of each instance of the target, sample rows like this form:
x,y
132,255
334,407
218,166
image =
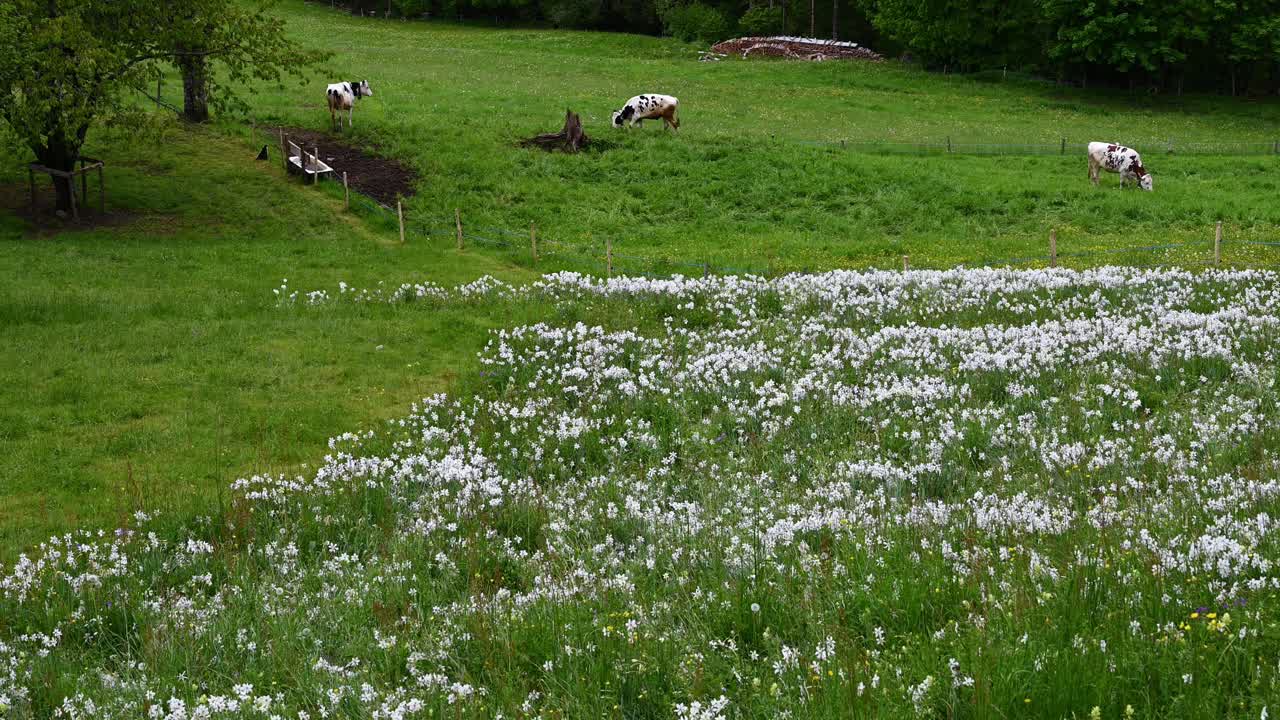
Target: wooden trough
x,y
301,162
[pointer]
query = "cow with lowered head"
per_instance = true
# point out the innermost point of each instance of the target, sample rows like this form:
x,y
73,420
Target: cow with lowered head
x,y
1118,159
343,96
648,107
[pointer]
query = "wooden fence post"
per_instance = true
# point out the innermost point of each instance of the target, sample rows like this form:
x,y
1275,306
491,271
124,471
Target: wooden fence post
x,y
1053,247
75,209
948,143
608,256
315,166
457,219
31,178
1217,244
400,215
284,153
346,193
533,240
906,263
1064,146
706,270
102,193
84,185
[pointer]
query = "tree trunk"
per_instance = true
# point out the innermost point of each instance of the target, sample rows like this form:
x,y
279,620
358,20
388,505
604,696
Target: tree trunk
x,y
59,153
195,88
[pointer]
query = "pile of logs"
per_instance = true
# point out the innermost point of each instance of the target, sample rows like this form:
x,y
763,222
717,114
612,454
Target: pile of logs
x,y
797,48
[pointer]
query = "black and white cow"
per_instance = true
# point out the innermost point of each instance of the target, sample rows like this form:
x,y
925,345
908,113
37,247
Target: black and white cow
x,y
648,107
1118,159
343,96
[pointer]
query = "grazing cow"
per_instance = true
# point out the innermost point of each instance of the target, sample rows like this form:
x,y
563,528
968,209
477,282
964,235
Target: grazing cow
x,y
648,107
1118,159
343,96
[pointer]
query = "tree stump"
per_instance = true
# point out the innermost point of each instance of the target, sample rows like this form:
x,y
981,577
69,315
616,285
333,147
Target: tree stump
x,y
569,139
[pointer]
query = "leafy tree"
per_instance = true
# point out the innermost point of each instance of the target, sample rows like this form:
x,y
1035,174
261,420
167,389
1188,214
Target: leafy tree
x,y
68,62
694,22
965,35
64,62
761,20
244,43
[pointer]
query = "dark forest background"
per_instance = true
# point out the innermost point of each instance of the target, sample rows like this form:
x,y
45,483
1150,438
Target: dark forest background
x,y
1229,46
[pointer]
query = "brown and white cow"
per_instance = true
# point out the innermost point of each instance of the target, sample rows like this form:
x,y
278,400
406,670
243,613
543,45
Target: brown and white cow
x,y
648,107
1118,159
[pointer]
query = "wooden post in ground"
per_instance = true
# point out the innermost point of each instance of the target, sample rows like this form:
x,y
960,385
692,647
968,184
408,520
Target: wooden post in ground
x,y
102,193
346,193
1053,247
84,185
948,143
706,270
533,240
1064,146
400,215
906,263
457,219
315,166
1217,244
608,256
75,209
31,178
284,153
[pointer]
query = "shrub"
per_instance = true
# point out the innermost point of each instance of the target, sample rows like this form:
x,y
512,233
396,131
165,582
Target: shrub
x,y
695,22
572,13
761,20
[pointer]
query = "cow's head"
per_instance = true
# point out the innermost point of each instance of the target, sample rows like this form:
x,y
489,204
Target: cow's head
x,y
1144,178
361,89
623,115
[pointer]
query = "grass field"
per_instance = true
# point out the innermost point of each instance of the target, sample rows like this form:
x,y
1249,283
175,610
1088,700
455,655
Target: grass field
x,y
979,494
143,358
738,187
145,362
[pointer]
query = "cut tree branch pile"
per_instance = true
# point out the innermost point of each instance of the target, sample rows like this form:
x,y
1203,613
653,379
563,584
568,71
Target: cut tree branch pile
x,y
797,48
569,139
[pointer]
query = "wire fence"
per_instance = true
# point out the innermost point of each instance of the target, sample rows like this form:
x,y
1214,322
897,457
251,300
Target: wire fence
x,y
1063,146
608,256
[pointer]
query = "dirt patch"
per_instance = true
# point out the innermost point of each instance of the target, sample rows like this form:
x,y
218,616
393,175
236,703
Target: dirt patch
x,y
380,178
15,198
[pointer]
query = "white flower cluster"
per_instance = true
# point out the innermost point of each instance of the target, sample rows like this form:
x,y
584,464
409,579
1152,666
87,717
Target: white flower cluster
x,y
665,504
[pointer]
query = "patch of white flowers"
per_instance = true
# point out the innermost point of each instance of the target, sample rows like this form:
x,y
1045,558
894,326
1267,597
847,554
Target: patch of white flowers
x,y
767,498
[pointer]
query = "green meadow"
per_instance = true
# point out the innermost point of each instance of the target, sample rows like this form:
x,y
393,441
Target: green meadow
x,y
144,358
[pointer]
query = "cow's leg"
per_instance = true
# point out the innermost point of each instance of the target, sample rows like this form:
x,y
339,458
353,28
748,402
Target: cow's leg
x,y
350,122
1093,171
669,119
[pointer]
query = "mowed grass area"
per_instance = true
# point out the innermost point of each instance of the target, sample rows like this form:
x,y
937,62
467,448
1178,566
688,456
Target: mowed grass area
x,y
742,185
145,364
